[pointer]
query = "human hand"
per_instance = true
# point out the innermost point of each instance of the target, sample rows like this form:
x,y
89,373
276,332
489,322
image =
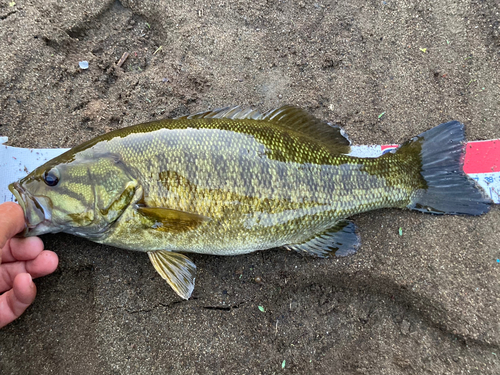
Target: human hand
x,y
21,260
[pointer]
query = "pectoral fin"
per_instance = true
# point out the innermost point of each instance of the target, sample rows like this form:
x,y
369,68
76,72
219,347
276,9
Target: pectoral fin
x,y
340,239
177,269
166,219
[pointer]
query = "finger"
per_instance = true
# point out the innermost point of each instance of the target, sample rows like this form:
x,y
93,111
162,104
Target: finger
x,y
44,264
21,249
11,221
14,302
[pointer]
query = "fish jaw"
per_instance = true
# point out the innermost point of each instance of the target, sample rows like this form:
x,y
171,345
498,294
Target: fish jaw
x,y
37,211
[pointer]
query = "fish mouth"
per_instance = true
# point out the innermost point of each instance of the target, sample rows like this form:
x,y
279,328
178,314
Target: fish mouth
x,y
37,211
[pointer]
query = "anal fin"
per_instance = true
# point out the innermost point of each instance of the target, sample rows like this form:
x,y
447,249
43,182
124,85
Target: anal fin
x,y
177,269
342,240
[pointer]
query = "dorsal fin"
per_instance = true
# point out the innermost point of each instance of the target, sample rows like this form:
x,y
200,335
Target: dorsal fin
x,y
289,117
233,113
299,120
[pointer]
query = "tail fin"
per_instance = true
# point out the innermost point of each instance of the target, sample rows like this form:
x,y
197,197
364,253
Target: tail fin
x,y
447,189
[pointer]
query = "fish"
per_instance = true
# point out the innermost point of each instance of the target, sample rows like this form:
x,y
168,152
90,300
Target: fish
x,y
233,181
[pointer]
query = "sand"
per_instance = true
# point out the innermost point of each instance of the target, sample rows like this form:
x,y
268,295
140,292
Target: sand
x,y
425,302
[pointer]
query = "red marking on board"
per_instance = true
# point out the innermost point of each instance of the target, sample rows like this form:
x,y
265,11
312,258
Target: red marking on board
x,y
482,157
385,147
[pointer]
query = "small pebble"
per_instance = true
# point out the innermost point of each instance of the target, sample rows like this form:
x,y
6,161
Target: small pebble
x,y
83,64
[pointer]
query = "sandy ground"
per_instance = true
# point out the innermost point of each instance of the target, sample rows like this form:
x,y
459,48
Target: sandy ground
x,y
426,302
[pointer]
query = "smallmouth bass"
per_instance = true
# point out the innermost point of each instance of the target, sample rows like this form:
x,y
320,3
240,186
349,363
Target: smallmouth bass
x,y
234,181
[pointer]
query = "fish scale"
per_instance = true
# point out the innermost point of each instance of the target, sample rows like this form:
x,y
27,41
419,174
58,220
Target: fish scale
x,y
233,181
247,178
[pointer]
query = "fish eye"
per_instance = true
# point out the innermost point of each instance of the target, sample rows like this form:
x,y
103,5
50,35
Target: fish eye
x,y
51,177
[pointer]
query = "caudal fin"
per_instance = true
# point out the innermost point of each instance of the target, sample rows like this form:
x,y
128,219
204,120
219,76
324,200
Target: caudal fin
x,y
447,189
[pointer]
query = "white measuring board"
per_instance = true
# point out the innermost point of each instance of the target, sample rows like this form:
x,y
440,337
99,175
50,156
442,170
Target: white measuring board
x,y
482,163
15,163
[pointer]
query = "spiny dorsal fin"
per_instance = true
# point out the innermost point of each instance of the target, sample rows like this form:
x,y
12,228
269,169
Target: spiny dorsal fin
x,y
233,113
177,269
290,117
299,120
340,239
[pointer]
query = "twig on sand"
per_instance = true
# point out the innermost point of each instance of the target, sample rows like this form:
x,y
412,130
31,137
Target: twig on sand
x,y
122,59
